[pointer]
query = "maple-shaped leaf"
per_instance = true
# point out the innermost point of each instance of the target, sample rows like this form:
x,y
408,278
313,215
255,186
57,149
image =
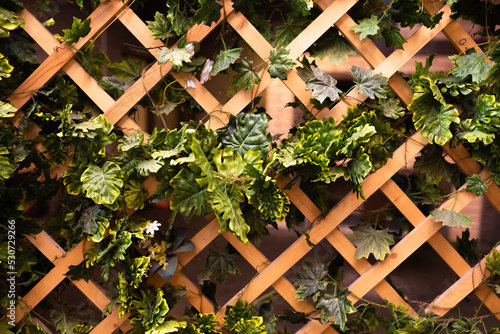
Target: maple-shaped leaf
x,y
393,36
323,86
245,76
224,59
299,7
493,262
432,163
391,108
451,218
102,184
160,27
367,27
336,48
473,64
286,33
248,132
368,83
189,198
369,240
476,184
208,12
178,21
77,31
176,56
279,63
336,306
63,322
127,70
7,110
222,264
92,61
310,281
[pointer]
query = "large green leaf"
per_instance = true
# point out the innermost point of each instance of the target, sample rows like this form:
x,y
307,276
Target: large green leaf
x,y
391,108
224,59
220,264
127,70
323,86
9,21
392,36
451,218
160,27
369,240
77,31
270,200
135,195
189,198
476,184
248,132
228,211
471,64
279,63
310,281
336,306
208,12
367,27
486,112
102,184
148,167
246,76
180,23
368,83
435,120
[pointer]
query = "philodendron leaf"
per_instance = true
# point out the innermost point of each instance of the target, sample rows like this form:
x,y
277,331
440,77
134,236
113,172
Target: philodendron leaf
x,y
323,86
368,83
189,198
245,76
451,218
476,185
160,27
148,167
493,262
94,221
369,240
102,184
135,195
310,281
224,59
7,110
336,306
367,27
228,211
248,132
129,142
473,64
279,63
5,68
435,120
77,31
220,264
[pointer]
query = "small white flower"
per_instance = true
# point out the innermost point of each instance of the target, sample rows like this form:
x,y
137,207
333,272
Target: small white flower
x,y
190,48
310,4
151,227
190,83
206,71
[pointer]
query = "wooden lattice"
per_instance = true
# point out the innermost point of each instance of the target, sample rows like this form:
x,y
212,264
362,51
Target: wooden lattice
x,y
270,273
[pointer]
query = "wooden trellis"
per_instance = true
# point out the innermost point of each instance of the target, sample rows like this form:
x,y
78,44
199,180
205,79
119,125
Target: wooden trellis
x,y
269,273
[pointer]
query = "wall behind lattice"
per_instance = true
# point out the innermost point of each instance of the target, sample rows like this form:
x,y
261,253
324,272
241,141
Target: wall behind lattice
x,y
269,274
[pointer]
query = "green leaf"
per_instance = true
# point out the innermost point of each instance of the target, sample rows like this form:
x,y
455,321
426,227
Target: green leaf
x,y
176,56
369,240
473,64
103,184
222,264
129,142
180,23
358,169
493,262
368,83
248,132
245,76
115,86
224,59
451,218
310,281
9,21
94,220
279,63
337,306
411,12
435,120
5,68
432,163
148,167
228,211
189,198
7,110
476,185
127,70
299,7
254,325
393,36
160,27
92,61
391,108
77,31
337,49
135,195
323,86
286,33
63,322
367,27
486,111
209,12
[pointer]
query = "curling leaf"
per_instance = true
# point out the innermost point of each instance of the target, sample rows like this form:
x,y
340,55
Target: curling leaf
x,y
451,218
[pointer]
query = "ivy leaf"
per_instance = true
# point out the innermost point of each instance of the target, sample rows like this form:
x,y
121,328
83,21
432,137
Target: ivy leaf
x,y
180,23
393,36
63,322
127,70
176,56
310,281
279,63
435,120
286,33
337,306
209,12
432,163
368,83
473,64
135,195
248,132
7,110
77,31
476,185
102,184
323,86
92,61
245,76
451,218
367,27
337,49
222,264
391,108
224,59
368,240
189,198
160,27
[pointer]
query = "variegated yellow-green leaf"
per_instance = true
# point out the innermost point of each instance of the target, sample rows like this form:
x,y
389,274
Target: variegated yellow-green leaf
x,y
135,195
7,110
176,56
102,184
